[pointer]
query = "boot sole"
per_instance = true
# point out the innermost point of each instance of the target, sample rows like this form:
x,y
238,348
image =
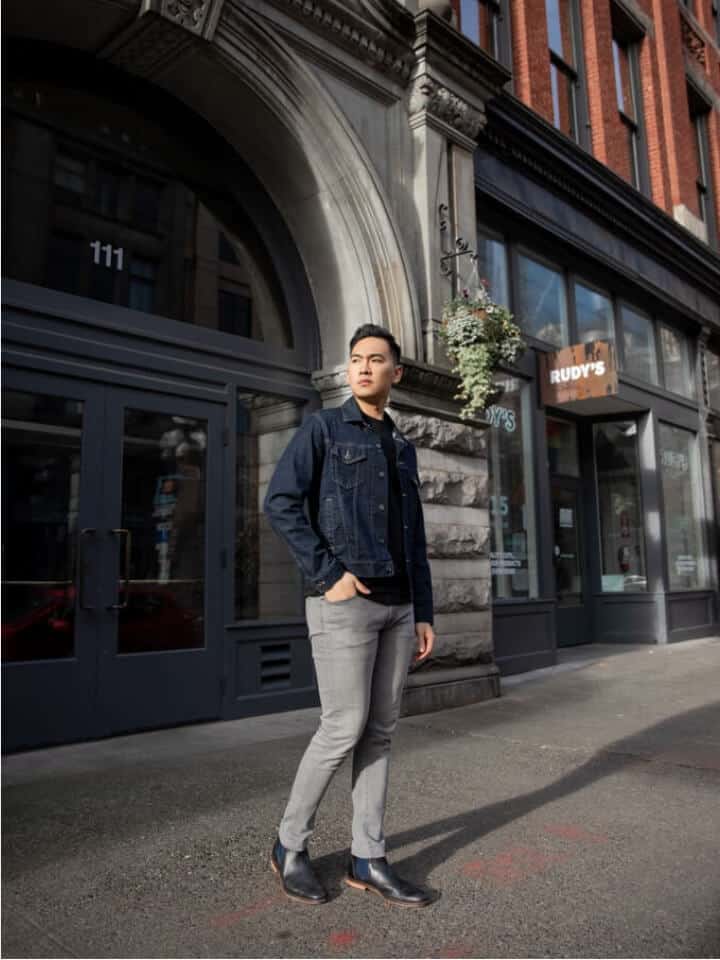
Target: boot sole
x,y
291,896
359,885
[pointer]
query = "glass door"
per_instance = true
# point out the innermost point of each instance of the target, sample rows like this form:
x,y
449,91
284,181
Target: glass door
x,y
51,479
162,507
112,512
572,614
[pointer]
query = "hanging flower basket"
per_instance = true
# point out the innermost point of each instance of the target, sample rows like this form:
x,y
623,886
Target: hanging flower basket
x,y
479,336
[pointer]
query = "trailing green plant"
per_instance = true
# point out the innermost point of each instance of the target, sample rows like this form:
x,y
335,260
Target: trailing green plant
x,y
479,336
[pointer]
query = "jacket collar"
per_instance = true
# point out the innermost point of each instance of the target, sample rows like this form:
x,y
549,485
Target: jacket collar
x,y
351,413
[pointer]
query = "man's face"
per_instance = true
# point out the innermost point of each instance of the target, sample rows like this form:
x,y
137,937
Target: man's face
x,y
372,369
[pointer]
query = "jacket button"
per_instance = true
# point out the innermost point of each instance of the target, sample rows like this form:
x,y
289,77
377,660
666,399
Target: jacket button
x,y
381,506
381,539
382,473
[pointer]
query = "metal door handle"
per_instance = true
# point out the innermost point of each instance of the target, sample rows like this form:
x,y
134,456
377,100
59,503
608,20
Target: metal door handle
x,y
85,532
123,532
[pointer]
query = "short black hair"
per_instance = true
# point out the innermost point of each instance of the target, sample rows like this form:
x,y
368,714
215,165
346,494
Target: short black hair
x,y
373,330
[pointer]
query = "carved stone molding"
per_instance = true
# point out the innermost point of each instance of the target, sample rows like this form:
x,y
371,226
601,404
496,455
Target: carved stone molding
x,y
379,34
430,98
163,31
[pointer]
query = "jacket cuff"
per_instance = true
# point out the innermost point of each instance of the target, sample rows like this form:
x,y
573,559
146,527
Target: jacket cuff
x,y
423,614
336,571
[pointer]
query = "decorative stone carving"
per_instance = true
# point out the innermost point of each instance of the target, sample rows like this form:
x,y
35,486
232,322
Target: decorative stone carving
x,y
455,540
694,43
190,14
463,649
430,97
442,434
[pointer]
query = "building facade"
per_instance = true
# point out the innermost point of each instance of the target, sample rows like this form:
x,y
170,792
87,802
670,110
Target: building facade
x,y
204,198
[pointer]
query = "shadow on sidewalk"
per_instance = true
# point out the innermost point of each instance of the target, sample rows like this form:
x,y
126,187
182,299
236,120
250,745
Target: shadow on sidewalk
x,y
667,739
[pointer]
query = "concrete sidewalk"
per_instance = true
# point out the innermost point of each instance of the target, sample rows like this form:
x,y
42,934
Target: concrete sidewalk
x,y
577,816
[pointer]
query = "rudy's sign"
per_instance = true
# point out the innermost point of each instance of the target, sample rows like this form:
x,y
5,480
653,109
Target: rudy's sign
x,y
581,372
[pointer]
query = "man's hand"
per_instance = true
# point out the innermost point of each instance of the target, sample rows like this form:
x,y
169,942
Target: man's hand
x,y
425,638
347,587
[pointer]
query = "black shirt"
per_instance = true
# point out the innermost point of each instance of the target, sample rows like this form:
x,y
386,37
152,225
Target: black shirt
x,y
395,589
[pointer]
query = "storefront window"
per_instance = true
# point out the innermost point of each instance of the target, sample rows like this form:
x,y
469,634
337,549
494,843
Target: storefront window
x,y
268,583
124,212
622,537
640,358
594,315
682,501
492,267
512,510
712,368
542,310
676,362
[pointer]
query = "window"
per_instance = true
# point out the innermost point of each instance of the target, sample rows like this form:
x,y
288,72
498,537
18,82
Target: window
x,y
542,308
70,173
141,290
622,537
513,564
629,101
492,267
142,223
593,315
712,372
639,351
699,111
268,583
562,21
676,362
479,22
234,312
679,470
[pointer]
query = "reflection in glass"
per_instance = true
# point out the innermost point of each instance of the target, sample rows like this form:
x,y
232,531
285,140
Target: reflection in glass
x,y
566,547
492,266
541,308
676,362
594,315
622,537
560,29
130,222
513,554
562,87
640,358
40,490
684,541
163,510
268,583
562,447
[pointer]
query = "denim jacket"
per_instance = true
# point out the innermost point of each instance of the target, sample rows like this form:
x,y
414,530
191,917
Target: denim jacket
x,y
336,463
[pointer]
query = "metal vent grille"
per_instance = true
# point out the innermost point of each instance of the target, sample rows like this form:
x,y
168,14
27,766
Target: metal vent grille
x,y
275,666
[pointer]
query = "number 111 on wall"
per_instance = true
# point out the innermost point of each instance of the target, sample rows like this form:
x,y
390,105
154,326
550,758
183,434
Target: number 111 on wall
x,y
116,253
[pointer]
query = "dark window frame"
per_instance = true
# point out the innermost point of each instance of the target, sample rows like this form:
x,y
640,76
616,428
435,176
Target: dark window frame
x,y
699,108
499,12
574,74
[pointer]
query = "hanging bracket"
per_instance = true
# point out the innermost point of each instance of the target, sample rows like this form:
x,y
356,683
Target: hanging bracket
x,y
449,258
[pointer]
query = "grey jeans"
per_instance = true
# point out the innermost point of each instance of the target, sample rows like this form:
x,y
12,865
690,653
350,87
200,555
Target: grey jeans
x,y
362,652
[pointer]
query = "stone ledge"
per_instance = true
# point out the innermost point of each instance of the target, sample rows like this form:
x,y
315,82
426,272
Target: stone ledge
x,y
442,689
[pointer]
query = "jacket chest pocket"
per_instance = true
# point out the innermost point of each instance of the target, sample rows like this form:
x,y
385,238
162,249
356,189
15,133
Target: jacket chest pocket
x,y
348,465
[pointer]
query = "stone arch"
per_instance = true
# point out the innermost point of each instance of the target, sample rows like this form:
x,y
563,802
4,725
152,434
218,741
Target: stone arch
x,y
247,83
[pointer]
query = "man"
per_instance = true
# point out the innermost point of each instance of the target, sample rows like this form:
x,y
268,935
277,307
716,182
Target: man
x,y
361,545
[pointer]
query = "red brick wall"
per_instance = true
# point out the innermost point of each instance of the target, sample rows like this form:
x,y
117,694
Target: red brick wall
x,y
663,58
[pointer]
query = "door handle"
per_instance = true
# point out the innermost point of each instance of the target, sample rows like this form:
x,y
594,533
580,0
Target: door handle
x,y
123,532
85,532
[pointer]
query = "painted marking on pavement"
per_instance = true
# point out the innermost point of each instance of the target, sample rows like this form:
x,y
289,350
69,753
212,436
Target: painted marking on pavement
x,y
512,866
342,938
223,920
571,831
